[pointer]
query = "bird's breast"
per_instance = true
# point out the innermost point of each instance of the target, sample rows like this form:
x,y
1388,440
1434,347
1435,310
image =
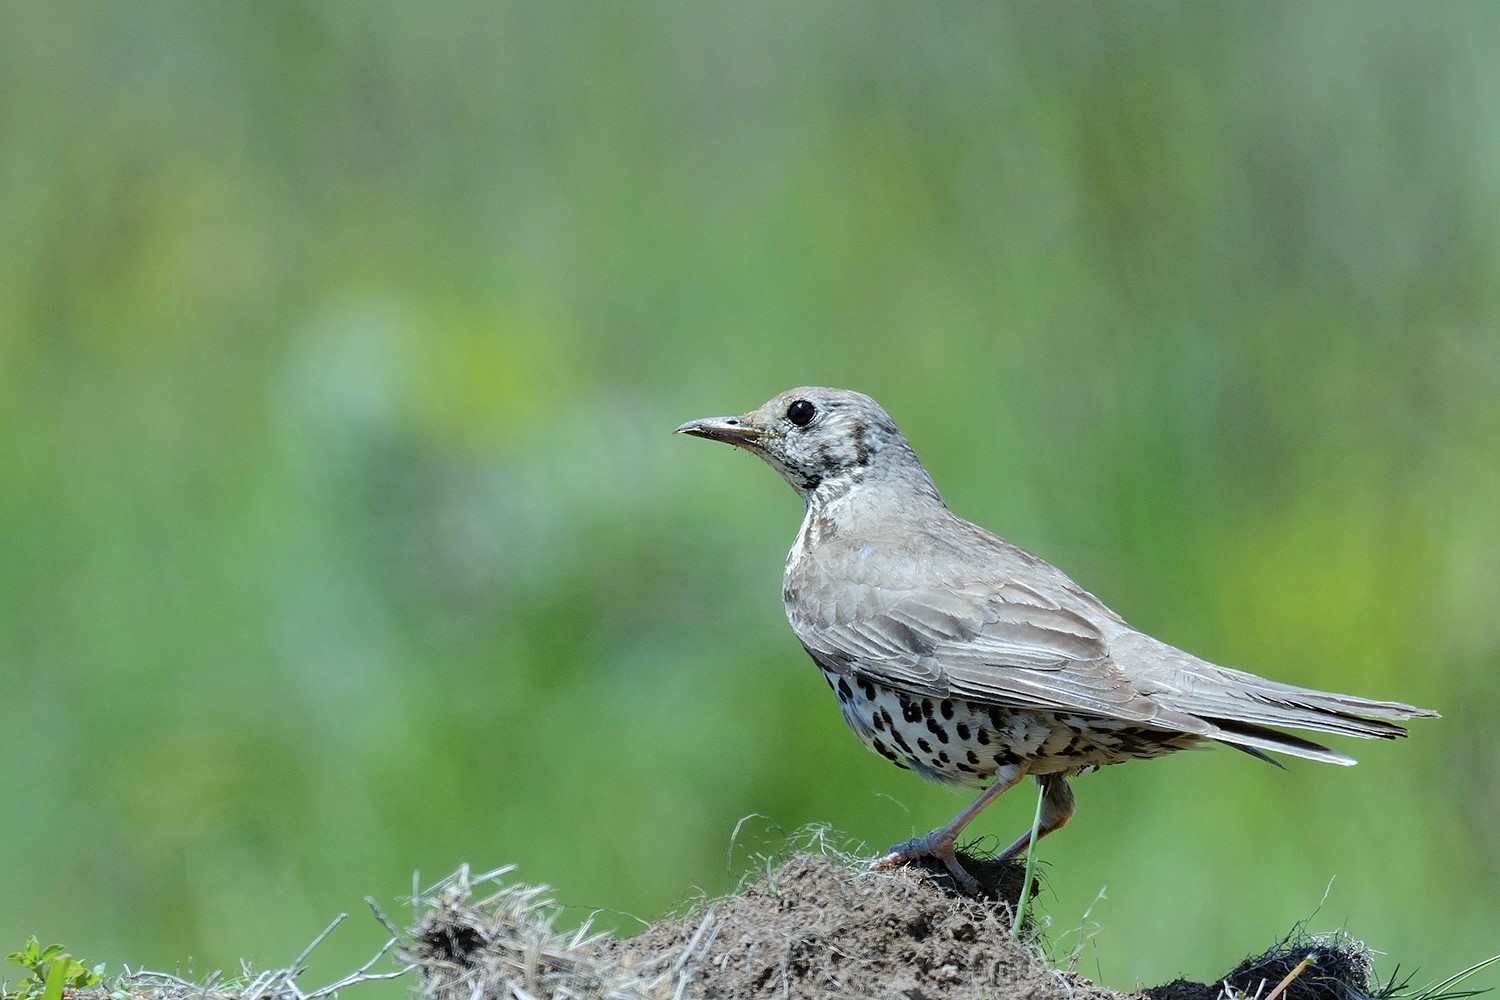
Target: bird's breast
x,y
964,742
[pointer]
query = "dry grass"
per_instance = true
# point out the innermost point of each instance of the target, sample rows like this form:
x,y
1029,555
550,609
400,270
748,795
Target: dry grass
x,y
817,925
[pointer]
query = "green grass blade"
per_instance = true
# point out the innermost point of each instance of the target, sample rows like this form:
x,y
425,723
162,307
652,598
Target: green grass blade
x,y
1036,825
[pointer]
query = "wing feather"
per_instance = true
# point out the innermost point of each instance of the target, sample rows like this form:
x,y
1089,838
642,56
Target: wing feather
x,y
979,643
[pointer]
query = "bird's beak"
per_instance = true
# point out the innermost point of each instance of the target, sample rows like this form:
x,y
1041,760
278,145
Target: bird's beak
x,y
731,430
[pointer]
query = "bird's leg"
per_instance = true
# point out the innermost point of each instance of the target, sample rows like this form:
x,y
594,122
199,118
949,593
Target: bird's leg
x,y
939,843
1057,809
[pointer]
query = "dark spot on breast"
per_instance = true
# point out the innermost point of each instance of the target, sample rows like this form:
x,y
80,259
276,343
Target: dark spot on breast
x,y
844,691
963,731
886,752
927,707
867,689
997,718
910,711
818,528
924,746
900,740
878,721
972,757
937,730
944,758
965,768
947,707
1004,758
983,736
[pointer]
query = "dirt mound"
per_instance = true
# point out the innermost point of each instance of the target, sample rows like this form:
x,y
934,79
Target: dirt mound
x,y
819,925
816,928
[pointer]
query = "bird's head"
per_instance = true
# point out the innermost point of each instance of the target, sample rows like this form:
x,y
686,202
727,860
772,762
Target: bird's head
x,y
822,441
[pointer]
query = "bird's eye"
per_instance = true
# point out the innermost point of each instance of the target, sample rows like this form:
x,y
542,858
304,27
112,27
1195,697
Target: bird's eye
x,y
801,412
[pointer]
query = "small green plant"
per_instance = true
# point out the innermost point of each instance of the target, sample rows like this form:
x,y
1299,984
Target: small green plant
x,y
1401,989
49,972
1036,824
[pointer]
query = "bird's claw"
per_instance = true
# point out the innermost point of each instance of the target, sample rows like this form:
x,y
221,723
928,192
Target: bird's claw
x,y
931,847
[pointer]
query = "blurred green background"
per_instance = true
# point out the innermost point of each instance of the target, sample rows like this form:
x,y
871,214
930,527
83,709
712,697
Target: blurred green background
x,y
343,534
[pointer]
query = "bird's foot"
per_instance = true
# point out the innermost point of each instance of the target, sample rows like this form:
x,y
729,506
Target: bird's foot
x,y
931,846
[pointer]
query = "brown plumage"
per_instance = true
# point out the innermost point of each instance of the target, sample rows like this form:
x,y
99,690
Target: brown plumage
x,y
967,659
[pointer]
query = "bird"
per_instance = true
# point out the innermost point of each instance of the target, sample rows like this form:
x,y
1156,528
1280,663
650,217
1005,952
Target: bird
x,y
967,660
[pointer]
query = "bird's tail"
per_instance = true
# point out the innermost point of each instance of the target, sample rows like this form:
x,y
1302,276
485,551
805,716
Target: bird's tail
x,y
1244,708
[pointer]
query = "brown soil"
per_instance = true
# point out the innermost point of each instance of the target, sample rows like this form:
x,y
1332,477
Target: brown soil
x,y
819,926
816,927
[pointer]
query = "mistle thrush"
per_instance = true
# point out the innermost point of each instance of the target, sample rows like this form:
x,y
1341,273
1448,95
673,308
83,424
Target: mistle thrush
x,y
968,660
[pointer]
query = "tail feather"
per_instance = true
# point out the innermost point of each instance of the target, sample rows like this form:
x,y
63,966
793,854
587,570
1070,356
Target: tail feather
x,y
1248,711
1254,740
1245,698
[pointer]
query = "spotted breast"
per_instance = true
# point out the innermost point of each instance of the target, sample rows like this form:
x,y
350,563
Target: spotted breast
x,y
961,742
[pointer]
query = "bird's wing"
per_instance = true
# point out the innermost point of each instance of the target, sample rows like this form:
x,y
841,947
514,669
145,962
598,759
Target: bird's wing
x,y
979,619
1000,643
